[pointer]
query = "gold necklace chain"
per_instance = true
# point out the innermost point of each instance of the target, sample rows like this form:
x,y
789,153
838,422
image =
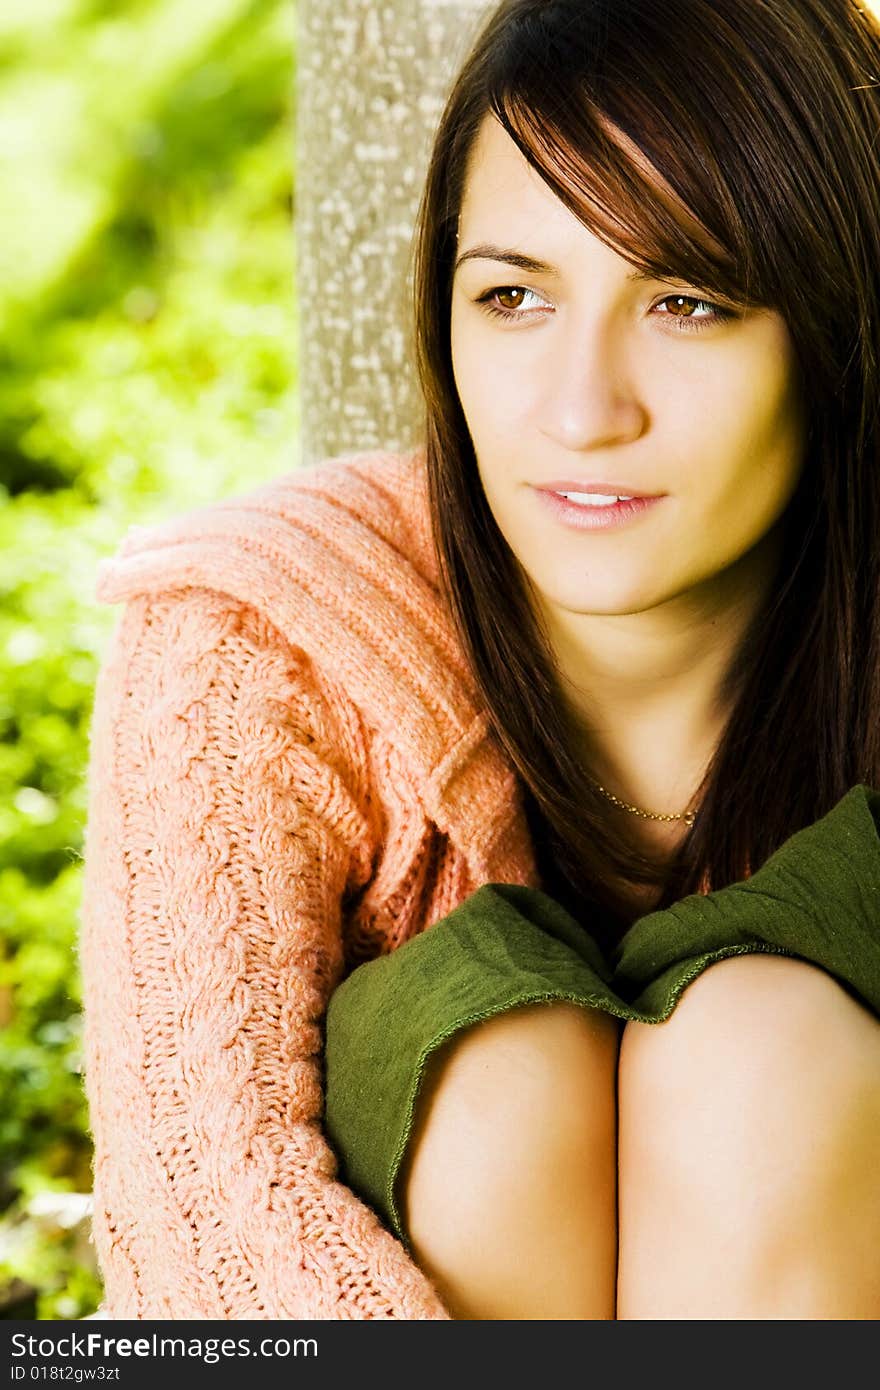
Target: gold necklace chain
x,y
687,816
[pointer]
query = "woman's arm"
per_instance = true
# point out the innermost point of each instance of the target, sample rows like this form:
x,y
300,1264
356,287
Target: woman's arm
x,y
221,833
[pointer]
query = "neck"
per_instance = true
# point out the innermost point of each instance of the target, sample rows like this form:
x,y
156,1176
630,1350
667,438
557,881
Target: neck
x,y
645,690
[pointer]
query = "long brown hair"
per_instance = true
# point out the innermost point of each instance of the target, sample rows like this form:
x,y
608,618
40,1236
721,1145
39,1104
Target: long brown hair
x,y
764,117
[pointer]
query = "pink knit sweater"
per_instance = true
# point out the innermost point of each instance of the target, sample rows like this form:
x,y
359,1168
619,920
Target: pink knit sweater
x,y
289,774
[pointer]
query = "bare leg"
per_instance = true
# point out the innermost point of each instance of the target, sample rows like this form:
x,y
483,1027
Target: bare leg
x,y
509,1188
749,1149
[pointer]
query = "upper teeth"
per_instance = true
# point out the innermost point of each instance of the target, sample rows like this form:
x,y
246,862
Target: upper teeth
x,y
595,499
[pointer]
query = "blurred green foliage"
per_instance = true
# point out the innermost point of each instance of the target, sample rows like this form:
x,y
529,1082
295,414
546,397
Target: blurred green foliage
x,y
147,365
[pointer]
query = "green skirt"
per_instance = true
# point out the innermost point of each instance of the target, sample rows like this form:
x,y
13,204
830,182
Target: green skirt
x,y
816,898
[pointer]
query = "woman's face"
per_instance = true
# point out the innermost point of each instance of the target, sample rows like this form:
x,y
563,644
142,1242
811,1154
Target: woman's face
x,y
599,376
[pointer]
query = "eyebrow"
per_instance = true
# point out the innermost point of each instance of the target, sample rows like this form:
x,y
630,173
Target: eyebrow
x,y
487,252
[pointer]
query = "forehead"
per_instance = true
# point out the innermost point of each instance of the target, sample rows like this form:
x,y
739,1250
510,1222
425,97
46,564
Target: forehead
x,y
501,184
500,179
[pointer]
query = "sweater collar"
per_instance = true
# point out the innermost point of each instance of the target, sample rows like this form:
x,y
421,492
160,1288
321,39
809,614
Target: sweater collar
x,y
339,557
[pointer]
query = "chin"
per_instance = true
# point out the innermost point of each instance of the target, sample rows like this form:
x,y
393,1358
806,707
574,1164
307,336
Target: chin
x,y
598,602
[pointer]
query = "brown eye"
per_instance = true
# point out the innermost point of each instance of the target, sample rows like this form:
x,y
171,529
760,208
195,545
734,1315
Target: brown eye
x,y
678,307
492,301
511,293
680,301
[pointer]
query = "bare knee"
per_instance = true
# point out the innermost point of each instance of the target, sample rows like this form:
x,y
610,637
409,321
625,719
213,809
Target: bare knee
x,y
508,1190
749,1132
747,1032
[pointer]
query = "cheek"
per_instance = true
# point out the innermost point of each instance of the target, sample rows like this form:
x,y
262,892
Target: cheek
x,y
465,379
754,456
765,434
462,352
492,390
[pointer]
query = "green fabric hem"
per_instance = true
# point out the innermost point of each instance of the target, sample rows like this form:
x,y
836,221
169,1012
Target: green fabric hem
x,y
618,1010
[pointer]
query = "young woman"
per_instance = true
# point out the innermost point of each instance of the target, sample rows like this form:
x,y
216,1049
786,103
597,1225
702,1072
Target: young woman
x,y
508,851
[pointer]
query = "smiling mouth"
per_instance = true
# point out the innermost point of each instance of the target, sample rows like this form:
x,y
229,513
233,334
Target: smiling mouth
x,y
596,511
593,490
595,499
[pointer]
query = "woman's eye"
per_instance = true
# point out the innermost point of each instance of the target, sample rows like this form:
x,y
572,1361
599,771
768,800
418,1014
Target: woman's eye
x,y
488,300
687,312
683,317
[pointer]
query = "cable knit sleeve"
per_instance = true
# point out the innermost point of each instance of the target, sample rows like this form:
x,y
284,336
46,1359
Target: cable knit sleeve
x,y
223,829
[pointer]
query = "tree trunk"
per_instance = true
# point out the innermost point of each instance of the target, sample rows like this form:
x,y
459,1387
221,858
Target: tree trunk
x,y
372,77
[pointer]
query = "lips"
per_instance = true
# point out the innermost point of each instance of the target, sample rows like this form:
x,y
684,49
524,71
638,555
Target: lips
x,y
597,516
604,489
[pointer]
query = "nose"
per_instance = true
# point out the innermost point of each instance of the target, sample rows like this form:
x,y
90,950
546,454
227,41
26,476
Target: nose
x,y
592,400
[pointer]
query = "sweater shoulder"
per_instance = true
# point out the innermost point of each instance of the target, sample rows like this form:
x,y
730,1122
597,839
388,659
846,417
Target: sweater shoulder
x,y
363,513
